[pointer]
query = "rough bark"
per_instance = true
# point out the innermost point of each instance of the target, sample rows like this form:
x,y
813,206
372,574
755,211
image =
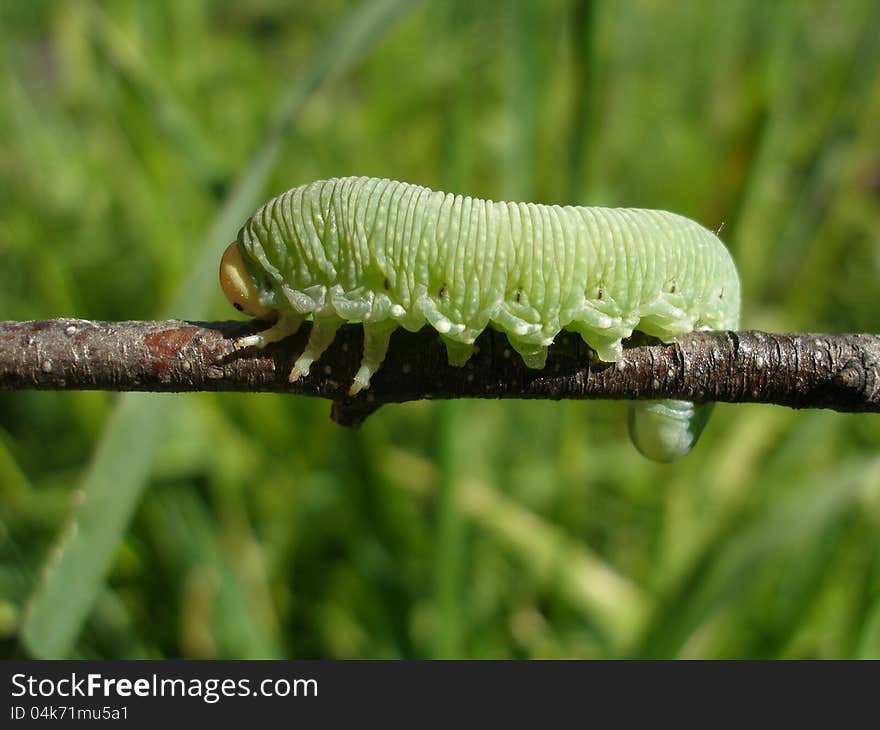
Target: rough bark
x,y
836,371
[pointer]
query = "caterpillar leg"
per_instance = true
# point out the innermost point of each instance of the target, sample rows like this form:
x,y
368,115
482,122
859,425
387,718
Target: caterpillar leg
x,y
608,347
600,332
320,338
666,430
458,352
376,337
533,355
285,326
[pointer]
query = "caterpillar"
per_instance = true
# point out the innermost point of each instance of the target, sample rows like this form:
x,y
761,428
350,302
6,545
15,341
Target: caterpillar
x,y
390,254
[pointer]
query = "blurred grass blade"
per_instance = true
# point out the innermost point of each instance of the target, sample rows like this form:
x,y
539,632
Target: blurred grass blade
x,y
451,534
617,606
180,126
111,490
75,569
220,616
733,564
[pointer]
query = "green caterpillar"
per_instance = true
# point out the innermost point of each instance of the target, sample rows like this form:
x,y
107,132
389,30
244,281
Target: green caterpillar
x,y
390,254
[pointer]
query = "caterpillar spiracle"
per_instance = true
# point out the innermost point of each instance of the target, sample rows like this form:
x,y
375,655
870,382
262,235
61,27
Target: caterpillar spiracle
x,y
391,254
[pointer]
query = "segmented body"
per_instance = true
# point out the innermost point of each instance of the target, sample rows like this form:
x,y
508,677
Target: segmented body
x,y
392,254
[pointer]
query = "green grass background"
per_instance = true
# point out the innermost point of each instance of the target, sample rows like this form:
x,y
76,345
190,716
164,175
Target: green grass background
x,y
136,137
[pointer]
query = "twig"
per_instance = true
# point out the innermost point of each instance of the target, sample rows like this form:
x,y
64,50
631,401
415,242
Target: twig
x,y
837,371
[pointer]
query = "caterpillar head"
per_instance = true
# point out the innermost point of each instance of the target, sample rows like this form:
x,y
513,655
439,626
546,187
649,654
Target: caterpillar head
x,y
240,287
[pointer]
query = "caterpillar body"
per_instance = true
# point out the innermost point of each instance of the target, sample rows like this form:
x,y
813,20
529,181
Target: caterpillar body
x,y
391,254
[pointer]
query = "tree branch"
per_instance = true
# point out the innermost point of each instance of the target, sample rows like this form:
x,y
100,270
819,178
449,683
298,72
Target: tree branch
x,y
841,372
